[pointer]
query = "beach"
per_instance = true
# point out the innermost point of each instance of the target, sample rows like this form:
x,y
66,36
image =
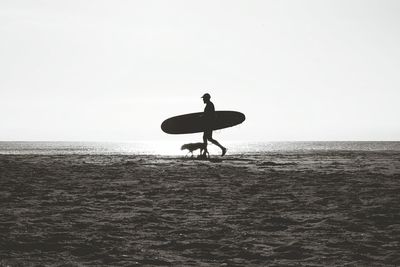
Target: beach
x,y
301,208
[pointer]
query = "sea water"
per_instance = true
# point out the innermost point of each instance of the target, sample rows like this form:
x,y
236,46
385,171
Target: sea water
x,y
173,148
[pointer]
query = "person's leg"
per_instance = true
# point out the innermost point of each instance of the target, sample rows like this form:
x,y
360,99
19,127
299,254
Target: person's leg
x,y
206,136
215,142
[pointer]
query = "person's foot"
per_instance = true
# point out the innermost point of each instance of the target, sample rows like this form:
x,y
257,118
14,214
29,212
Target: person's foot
x,y
223,151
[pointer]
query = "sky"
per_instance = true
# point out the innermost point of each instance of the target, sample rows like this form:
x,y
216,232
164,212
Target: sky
x,y
113,70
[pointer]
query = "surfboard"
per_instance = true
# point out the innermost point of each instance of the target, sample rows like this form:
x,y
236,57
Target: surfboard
x,y
195,122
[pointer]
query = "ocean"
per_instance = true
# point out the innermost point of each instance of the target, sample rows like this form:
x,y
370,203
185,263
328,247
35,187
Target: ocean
x,y
173,148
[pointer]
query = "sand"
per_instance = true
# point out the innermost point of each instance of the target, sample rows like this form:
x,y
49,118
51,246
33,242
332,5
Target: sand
x,y
273,209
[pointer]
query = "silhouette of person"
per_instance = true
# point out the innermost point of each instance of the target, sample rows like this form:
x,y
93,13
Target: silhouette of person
x,y
209,117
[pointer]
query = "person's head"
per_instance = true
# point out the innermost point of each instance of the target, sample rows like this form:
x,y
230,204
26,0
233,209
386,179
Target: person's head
x,y
206,97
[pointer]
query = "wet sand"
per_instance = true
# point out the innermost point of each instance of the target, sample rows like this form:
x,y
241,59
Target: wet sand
x,y
276,209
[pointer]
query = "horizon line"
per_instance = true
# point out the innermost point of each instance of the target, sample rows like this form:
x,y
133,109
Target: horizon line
x,y
174,141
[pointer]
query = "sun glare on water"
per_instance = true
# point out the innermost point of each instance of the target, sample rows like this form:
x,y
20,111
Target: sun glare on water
x,y
152,147
167,148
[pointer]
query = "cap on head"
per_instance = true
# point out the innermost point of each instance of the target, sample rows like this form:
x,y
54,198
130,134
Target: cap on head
x,y
206,96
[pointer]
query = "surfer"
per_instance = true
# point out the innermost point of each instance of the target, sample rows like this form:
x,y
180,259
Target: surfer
x,y
209,116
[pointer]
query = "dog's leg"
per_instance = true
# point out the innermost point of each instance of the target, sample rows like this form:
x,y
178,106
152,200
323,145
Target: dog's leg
x,y
206,153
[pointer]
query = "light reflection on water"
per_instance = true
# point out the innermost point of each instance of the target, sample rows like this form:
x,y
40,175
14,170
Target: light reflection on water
x,y
173,148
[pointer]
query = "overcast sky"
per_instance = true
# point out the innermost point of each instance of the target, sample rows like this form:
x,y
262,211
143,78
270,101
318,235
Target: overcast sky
x,y
114,70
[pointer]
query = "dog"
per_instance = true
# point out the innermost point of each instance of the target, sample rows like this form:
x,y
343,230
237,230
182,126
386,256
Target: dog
x,y
194,146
